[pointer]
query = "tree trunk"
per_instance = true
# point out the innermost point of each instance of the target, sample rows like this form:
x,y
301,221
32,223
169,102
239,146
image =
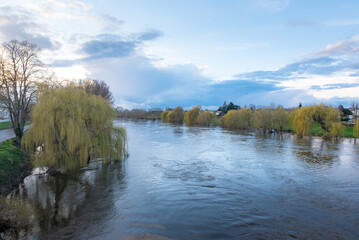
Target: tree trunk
x,y
19,131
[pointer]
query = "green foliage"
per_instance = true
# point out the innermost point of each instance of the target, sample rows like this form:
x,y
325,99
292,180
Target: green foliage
x,y
263,118
356,130
225,108
164,115
191,115
205,118
176,115
280,119
72,127
238,119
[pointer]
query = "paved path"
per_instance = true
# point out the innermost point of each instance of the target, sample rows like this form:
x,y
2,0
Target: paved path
x,y
8,133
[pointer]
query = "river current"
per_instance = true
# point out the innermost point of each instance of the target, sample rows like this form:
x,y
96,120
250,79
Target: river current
x,y
203,183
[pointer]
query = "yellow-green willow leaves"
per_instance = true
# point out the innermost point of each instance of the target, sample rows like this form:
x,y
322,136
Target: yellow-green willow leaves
x,y
263,118
327,117
71,126
164,115
280,119
174,116
238,119
205,118
302,121
191,116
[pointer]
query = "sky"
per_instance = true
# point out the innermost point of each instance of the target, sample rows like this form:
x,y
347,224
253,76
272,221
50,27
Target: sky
x,y
160,53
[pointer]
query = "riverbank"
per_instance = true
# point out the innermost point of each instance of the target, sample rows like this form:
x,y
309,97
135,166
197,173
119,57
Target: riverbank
x,y
316,130
14,166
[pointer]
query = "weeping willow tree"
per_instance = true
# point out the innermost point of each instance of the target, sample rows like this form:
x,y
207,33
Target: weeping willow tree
x,y
356,130
280,119
327,117
238,119
70,127
176,115
191,115
302,121
263,118
164,115
205,118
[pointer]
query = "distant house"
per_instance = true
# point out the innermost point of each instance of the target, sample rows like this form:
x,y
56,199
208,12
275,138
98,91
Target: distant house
x,y
218,113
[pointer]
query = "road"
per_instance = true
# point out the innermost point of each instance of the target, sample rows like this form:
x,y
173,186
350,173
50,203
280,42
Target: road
x,y
8,133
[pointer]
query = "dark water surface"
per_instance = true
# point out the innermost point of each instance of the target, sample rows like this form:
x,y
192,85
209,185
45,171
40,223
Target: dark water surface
x,y
204,183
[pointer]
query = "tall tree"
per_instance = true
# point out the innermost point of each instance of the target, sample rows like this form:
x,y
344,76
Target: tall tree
x,y
97,87
191,115
280,118
73,127
20,70
176,115
263,118
327,117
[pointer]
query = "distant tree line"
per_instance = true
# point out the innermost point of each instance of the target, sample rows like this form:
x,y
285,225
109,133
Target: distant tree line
x,y
301,120
137,113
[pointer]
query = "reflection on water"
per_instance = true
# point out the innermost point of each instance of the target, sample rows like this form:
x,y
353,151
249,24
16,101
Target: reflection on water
x,y
204,183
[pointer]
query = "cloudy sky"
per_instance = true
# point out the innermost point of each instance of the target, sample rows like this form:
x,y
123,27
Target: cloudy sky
x,y
160,53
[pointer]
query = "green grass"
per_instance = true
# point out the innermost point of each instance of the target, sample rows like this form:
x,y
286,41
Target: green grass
x,y
317,130
13,162
5,125
348,132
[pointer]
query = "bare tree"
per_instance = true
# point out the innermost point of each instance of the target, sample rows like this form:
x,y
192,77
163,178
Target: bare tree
x,y
20,69
97,87
355,107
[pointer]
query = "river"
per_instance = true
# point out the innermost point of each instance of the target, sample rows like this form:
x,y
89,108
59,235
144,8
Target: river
x,y
203,183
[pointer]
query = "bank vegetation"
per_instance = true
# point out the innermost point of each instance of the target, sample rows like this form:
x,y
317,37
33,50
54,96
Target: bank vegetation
x,y
318,119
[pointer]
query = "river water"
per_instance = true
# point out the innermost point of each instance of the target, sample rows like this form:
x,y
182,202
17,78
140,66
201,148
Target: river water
x,y
203,183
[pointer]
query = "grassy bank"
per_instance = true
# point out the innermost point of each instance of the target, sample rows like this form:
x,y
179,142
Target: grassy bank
x,y
318,131
7,125
14,166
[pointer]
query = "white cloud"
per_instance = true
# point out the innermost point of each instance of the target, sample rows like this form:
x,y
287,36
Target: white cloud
x,y
327,94
344,47
70,4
